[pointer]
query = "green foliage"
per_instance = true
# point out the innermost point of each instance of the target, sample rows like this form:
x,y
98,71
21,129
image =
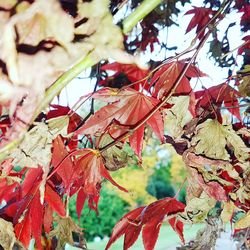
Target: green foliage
x,y
159,184
182,195
111,208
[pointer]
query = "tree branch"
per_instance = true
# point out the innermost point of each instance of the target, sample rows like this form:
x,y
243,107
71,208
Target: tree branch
x,y
141,11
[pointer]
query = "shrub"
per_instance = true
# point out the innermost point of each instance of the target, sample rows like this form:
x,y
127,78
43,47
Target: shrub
x,y
111,208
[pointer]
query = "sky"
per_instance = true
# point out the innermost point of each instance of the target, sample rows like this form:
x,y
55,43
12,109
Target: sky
x,y
175,36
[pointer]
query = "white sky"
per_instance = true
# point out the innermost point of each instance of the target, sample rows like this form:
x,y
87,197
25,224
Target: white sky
x,y
175,36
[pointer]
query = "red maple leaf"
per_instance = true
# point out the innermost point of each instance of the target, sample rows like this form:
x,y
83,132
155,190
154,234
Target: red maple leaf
x,y
245,46
164,79
133,73
148,220
202,16
63,164
28,217
213,98
74,121
5,124
148,36
89,171
127,107
245,18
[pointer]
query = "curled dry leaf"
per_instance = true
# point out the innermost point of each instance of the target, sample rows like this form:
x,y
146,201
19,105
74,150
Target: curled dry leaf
x,y
244,222
244,87
198,207
115,157
7,235
63,231
215,146
227,212
201,171
177,116
103,35
36,23
40,22
35,149
8,4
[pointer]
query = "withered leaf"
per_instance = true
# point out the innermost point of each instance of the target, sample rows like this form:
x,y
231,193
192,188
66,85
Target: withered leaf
x,y
40,22
198,207
115,157
244,222
7,235
63,231
177,116
35,149
212,138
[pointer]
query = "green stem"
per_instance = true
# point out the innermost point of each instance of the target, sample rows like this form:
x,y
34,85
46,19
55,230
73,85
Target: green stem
x,y
140,12
62,81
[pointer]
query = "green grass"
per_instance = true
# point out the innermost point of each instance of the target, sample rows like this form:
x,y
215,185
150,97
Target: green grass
x,y
168,239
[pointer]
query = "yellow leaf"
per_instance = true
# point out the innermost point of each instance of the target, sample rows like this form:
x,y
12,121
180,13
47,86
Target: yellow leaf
x,y
63,231
197,208
8,4
227,211
177,116
212,138
244,87
243,222
7,235
40,22
35,149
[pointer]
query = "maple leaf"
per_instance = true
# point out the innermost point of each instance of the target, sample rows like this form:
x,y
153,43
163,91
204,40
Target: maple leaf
x,y
132,71
127,108
35,149
164,78
7,235
243,222
177,116
245,20
227,212
74,121
213,98
63,231
246,46
8,4
148,220
62,163
40,21
198,207
115,157
202,16
89,171
212,138
29,216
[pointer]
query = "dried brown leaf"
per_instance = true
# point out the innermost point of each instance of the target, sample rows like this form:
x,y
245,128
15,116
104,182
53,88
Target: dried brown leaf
x,y
177,116
212,138
7,235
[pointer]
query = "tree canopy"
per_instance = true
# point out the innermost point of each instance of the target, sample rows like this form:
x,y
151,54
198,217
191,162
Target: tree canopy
x,y
49,153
